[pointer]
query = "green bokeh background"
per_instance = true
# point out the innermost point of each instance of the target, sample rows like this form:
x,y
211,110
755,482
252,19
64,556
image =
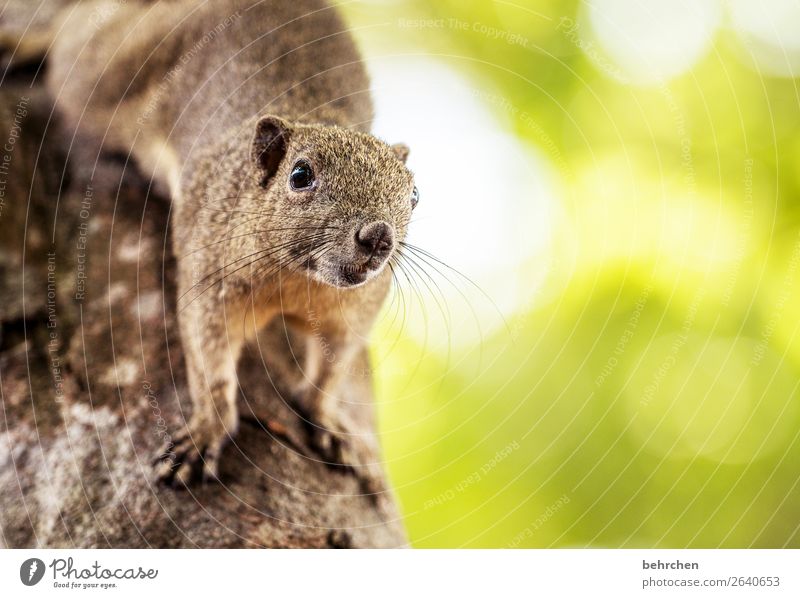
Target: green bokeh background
x,y
651,400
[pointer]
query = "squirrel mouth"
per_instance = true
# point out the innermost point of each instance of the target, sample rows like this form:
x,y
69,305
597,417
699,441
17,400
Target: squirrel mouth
x,y
356,274
352,274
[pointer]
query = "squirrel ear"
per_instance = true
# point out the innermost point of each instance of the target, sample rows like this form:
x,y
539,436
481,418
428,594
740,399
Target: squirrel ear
x,y
401,151
269,145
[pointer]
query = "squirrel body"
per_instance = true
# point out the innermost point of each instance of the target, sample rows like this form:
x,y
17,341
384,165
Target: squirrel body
x,y
255,117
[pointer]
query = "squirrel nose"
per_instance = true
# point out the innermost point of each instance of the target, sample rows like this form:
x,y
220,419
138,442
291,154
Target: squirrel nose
x,y
375,238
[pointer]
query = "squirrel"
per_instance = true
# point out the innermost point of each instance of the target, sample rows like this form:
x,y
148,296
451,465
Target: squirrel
x,y
254,117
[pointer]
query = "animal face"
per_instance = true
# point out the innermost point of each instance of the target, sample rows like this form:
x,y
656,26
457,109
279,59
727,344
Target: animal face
x,y
339,201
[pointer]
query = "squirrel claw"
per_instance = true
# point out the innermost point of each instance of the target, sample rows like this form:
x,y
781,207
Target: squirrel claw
x,y
187,460
338,450
334,448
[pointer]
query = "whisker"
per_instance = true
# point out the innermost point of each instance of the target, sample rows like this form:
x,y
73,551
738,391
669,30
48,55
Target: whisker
x,y
426,254
426,328
256,213
260,231
463,296
401,306
313,244
422,270
446,316
262,254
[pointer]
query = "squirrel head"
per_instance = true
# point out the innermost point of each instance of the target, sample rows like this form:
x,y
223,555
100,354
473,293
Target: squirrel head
x,y
337,202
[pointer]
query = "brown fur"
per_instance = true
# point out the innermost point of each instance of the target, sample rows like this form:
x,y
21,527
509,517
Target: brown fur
x,y
221,120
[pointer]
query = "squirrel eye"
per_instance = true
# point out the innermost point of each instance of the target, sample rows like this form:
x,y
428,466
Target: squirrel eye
x,y
414,198
302,176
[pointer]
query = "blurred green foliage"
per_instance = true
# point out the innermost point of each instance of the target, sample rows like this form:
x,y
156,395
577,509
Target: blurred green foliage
x,y
651,398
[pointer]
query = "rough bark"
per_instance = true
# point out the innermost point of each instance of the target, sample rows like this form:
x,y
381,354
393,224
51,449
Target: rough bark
x,y
91,377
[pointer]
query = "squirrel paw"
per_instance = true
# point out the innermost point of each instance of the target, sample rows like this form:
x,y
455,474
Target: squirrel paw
x,y
343,450
191,456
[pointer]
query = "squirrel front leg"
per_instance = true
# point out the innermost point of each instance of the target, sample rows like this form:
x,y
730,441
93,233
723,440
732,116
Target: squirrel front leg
x,y
211,351
331,351
328,357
